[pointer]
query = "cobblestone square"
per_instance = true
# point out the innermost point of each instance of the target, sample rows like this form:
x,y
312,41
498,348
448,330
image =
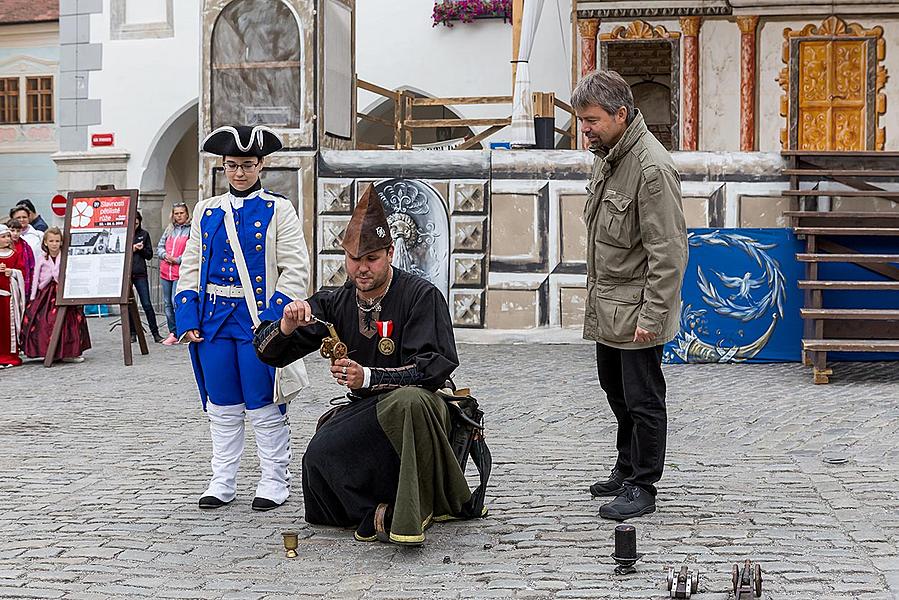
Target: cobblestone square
x,y
101,466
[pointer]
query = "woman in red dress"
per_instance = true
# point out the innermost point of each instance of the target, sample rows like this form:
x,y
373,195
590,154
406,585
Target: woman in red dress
x,y
40,317
12,299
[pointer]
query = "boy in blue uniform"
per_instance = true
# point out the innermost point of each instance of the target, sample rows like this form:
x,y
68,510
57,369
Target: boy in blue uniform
x,y
213,312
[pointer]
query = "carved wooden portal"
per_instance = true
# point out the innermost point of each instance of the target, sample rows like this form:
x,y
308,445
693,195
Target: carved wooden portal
x,y
649,60
832,85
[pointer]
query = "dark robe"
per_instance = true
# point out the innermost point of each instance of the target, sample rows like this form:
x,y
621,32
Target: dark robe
x,y
389,445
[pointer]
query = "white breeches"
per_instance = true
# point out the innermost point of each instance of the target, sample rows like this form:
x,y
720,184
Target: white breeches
x,y
272,432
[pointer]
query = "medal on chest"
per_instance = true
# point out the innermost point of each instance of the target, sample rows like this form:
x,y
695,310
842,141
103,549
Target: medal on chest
x,y
385,344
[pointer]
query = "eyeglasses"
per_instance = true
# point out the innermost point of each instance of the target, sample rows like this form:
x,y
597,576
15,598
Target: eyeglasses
x,y
231,167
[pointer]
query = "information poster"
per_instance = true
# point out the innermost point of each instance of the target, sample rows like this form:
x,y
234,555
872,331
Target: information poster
x,y
97,247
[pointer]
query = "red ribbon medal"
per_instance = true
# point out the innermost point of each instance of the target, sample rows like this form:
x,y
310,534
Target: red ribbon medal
x,y
385,330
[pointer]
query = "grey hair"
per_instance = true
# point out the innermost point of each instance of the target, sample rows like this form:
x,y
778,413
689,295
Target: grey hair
x,y
606,89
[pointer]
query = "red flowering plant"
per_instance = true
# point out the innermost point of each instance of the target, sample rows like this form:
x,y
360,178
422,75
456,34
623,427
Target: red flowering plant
x,y
447,11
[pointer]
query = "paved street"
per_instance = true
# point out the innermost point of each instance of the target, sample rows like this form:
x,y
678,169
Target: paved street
x,y
101,466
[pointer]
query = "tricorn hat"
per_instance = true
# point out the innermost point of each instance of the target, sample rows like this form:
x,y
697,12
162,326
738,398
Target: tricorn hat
x,y
242,140
368,230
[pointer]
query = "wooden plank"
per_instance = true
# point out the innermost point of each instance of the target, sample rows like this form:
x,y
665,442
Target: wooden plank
x,y
848,285
841,154
867,314
842,172
272,64
367,146
835,214
846,230
450,101
377,120
371,87
564,132
850,345
477,138
424,123
842,193
850,258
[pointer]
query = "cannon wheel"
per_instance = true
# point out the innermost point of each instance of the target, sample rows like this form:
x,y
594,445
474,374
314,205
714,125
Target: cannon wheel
x,y
757,578
670,578
694,581
735,577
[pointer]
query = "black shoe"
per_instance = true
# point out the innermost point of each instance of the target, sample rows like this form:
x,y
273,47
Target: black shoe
x,y
208,502
634,502
133,338
612,487
157,338
264,504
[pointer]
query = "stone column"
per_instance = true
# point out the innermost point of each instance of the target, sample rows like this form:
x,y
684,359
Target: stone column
x,y
588,29
748,26
150,205
690,27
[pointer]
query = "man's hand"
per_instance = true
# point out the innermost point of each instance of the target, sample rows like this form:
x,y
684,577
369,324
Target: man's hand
x,y
193,336
642,336
296,314
349,373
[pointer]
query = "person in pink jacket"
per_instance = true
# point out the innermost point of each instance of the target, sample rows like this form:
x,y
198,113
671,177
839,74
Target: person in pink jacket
x,y
169,250
40,316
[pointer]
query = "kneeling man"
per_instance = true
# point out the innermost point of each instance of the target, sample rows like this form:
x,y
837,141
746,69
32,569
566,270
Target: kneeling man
x,y
388,446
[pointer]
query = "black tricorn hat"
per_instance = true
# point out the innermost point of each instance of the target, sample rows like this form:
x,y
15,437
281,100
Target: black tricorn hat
x,y
242,140
368,230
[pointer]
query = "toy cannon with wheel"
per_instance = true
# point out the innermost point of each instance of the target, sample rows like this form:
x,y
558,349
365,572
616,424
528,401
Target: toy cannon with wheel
x,y
332,347
748,581
683,583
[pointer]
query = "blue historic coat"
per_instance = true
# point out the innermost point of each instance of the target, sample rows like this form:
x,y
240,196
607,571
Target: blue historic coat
x,y
271,238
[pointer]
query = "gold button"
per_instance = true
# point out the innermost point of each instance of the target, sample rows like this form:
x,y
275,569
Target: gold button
x,y
258,236
231,269
259,279
224,260
259,303
204,247
258,247
205,234
183,300
268,204
258,290
279,301
208,213
227,241
230,279
257,224
203,259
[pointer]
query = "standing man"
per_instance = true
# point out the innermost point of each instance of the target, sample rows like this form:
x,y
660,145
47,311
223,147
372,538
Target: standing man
x,y
636,256
212,311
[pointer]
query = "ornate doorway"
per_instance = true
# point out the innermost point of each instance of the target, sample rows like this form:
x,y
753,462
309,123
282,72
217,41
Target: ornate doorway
x,y
832,82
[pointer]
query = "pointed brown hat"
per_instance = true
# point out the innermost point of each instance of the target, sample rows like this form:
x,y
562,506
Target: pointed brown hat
x,y
368,230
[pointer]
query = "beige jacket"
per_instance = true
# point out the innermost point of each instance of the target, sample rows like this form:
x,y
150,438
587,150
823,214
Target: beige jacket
x,y
636,242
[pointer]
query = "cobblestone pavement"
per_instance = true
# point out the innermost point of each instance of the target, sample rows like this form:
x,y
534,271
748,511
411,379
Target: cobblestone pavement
x,y
101,466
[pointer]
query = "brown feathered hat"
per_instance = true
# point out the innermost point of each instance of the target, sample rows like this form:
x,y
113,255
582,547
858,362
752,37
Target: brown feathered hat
x,y
368,230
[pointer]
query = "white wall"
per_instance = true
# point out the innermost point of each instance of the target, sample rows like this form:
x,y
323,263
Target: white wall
x,y
719,86
144,82
397,47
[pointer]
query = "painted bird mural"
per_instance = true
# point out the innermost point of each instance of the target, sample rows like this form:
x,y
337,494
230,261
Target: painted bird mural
x,y
744,285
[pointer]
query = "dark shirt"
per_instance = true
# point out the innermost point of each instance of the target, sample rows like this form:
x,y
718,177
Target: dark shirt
x,y
422,331
40,224
140,257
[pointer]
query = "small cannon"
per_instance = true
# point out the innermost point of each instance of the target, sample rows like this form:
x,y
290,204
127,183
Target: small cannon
x,y
684,583
332,347
748,581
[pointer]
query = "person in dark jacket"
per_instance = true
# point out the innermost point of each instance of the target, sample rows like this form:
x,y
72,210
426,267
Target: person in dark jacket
x,y
142,247
34,219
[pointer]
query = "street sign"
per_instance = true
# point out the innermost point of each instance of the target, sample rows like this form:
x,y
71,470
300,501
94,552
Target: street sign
x,y
58,204
102,139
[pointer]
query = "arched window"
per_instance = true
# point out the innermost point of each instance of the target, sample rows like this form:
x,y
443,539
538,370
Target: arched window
x,y
256,63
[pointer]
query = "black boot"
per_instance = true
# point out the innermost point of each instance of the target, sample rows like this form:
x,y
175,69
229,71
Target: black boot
x,y
263,504
209,502
611,487
633,502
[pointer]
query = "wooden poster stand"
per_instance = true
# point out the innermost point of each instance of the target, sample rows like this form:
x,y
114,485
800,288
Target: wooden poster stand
x,y
125,299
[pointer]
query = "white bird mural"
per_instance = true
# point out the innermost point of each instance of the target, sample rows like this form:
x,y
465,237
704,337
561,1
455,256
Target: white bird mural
x,y
744,285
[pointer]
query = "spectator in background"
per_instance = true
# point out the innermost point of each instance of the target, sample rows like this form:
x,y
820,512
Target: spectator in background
x,y
169,250
20,245
40,317
29,233
12,300
142,249
34,219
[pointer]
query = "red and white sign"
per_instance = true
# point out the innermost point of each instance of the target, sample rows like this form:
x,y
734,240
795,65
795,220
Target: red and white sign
x,y
102,139
58,205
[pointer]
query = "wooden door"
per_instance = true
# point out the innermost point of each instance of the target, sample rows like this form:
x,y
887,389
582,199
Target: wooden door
x,y
832,94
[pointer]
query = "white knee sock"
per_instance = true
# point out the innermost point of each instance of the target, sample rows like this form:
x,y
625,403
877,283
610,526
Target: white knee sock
x,y
226,426
273,448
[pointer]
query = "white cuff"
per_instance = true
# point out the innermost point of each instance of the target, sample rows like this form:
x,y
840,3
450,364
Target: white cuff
x,y
366,377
